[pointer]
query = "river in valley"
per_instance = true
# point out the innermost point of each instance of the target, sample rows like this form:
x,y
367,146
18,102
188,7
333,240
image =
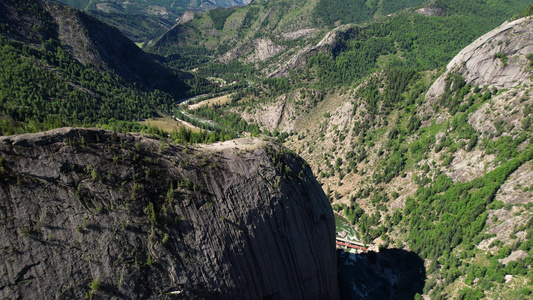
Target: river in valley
x,y
344,229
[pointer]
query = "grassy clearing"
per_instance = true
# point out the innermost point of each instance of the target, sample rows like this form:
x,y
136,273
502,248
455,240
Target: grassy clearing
x,y
168,124
434,129
213,101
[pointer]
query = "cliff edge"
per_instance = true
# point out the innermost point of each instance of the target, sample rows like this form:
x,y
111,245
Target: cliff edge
x,y
92,213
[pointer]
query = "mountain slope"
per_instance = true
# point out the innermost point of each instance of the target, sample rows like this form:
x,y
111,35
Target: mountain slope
x,y
222,30
445,175
275,37
265,33
89,41
92,42
92,213
62,67
143,21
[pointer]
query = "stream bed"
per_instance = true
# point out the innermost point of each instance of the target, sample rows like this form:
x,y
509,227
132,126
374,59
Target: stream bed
x,y
344,229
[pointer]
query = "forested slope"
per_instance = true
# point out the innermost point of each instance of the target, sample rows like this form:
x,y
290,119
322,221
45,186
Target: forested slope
x,y
60,67
269,38
264,33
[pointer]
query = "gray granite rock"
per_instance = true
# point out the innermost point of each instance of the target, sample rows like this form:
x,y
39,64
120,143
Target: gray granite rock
x,y
92,213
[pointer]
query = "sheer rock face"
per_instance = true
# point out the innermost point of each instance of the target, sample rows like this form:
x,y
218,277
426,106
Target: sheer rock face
x,y
497,59
87,212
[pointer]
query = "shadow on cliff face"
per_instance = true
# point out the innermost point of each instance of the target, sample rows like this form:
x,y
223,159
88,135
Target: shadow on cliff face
x,y
388,274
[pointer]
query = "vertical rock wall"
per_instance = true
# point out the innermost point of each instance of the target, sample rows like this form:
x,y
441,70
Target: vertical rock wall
x,y
90,213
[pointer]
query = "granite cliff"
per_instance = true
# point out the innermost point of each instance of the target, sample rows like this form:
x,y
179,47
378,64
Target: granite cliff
x,y
92,213
497,59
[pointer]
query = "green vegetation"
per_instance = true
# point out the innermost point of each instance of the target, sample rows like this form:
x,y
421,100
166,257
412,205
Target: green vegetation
x,y
493,11
392,6
454,214
249,18
530,57
189,57
528,11
186,136
95,285
232,71
503,57
141,21
219,17
424,43
227,123
446,221
332,12
35,99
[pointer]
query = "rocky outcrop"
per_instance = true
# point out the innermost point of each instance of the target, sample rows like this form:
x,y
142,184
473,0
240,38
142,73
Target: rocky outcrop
x,y
468,165
499,64
187,17
265,49
303,33
256,50
92,213
503,222
279,115
497,59
300,59
431,11
500,61
503,113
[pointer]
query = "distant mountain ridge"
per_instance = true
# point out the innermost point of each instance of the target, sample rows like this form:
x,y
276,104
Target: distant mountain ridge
x,y
275,35
152,7
144,20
